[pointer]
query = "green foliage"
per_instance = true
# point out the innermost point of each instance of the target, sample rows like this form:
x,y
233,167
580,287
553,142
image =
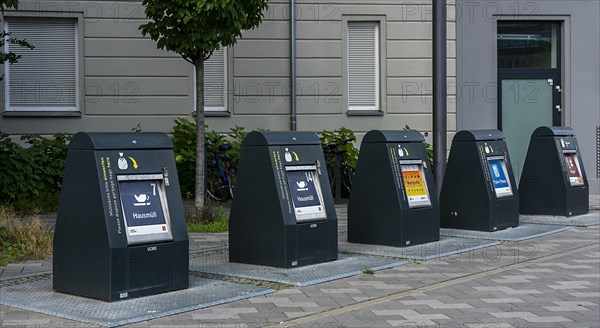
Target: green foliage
x,y
196,28
10,57
428,147
208,218
238,133
220,225
368,271
32,175
345,138
184,146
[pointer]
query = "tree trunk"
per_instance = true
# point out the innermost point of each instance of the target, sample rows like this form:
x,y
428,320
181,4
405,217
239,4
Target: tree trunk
x,y
200,149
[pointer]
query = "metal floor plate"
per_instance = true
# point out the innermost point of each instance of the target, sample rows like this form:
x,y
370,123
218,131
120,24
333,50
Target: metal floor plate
x,y
522,232
444,247
586,220
345,266
38,296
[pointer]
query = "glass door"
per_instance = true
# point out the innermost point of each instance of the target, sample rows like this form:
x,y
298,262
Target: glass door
x,y
529,83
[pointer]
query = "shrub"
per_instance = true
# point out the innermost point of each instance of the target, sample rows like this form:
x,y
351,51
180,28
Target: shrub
x,y
344,138
184,146
32,174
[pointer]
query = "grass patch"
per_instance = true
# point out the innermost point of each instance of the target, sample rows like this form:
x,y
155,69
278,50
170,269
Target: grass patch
x,y
23,239
221,225
208,219
368,271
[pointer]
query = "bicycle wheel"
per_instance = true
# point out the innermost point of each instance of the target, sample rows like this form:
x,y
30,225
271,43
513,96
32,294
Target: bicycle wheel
x,y
232,177
216,187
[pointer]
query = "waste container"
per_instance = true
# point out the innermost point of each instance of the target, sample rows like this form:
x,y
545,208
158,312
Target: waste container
x,y
283,213
393,199
479,190
554,180
120,230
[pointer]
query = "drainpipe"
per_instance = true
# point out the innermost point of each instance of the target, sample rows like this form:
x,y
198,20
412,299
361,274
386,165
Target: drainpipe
x,y
439,92
293,64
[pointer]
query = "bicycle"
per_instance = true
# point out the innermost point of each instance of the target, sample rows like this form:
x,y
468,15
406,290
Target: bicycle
x,y
334,155
221,176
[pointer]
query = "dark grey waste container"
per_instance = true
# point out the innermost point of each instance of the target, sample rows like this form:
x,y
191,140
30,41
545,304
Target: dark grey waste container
x,y
394,200
120,231
283,213
479,190
554,180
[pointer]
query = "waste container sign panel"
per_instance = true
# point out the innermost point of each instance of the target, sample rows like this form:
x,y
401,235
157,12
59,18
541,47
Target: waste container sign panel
x,y
414,183
573,170
143,210
306,193
499,176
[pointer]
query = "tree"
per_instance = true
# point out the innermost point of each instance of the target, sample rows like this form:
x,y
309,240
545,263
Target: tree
x,y
194,29
10,56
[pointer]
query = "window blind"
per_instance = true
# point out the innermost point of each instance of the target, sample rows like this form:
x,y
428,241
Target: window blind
x,y
214,81
363,66
45,78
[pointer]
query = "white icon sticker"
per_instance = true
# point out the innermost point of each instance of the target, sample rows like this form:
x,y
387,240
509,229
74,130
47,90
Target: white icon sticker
x,y
122,162
141,200
288,155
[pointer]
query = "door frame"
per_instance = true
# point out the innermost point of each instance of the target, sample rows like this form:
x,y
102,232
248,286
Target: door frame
x,y
532,74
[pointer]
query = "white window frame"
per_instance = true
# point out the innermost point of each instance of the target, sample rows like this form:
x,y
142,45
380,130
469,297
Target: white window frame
x,y
41,107
377,106
225,84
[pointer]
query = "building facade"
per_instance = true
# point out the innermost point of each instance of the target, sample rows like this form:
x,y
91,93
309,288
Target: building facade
x,y
358,65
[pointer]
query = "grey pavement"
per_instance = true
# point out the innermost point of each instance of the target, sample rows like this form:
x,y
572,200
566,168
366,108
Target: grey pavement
x,y
551,281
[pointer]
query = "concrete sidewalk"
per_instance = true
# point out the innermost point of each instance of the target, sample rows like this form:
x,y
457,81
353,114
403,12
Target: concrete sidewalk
x,y
552,281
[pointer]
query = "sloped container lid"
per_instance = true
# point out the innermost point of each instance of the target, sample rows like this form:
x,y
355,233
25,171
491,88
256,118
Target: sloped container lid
x,y
478,135
552,131
392,136
120,140
273,138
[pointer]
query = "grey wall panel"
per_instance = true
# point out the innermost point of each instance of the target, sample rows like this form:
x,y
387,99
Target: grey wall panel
x,y
319,67
137,86
115,10
412,86
416,104
112,47
250,122
261,67
416,49
261,105
403,30
269,29
136,67
109,27
326,104
366,123
321,30
138,106
319,49
415,67
247,48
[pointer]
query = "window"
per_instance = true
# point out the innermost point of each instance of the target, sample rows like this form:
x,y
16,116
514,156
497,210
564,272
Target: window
x,y
215,82
45,78
363,66
527,44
